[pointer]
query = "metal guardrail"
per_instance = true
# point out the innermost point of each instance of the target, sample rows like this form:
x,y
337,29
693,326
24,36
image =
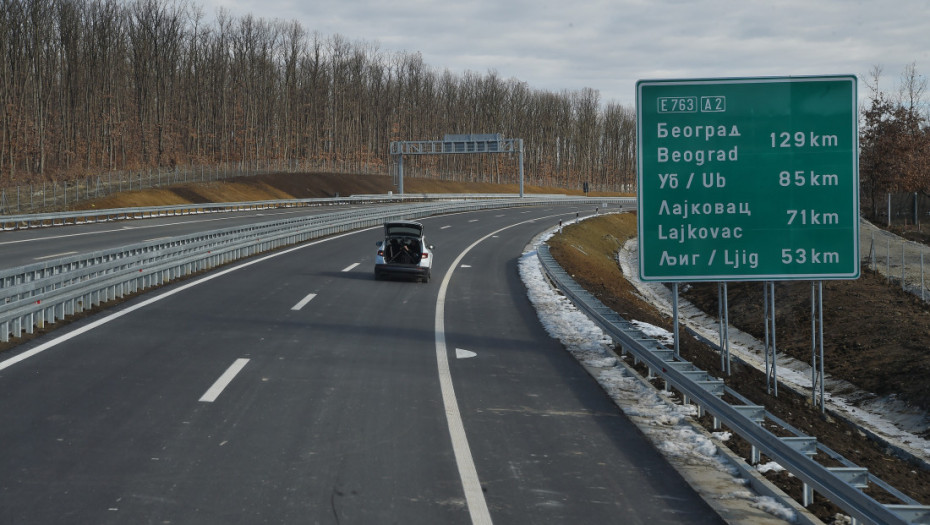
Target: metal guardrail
x,y
841,485
14,222
871,478
38,294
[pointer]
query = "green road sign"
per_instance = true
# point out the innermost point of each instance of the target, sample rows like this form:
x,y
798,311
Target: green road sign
x,y
748,179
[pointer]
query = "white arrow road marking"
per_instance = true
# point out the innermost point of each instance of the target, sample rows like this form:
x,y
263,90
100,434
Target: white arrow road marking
x,y
214,391
350,267
303,302
464,354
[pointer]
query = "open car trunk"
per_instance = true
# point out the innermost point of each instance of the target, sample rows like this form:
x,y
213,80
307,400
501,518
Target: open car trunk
x,y
402,250
402,243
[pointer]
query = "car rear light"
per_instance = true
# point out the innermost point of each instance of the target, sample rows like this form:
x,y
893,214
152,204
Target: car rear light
x,y
380,253
425,255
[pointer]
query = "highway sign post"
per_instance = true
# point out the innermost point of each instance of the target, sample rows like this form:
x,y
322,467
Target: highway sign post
x,y
748,179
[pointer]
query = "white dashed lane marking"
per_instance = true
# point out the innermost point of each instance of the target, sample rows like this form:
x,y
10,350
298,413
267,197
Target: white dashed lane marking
x,y
214,391
303,302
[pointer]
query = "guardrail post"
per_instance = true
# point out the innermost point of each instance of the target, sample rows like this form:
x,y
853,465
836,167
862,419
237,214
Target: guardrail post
x,y
808,447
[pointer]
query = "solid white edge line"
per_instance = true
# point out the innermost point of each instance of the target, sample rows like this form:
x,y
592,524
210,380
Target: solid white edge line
x,y
303,302
112,317
350,267
217,388
474,495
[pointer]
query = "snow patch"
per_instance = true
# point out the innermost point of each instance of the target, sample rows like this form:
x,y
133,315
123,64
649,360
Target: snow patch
x,y
659,334
771,466
773,507
886,416
663,422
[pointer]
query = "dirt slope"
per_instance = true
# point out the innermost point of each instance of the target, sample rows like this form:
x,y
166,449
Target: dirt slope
x,y
876,336
299,186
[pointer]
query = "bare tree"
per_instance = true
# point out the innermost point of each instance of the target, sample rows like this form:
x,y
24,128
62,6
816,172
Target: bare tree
x,y
92,85
895,139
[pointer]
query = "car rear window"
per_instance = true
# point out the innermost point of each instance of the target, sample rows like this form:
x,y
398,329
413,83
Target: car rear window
x,y
403,230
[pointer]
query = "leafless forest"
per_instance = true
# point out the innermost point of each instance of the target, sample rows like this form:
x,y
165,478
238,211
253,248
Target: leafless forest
x,y
95,86
894,142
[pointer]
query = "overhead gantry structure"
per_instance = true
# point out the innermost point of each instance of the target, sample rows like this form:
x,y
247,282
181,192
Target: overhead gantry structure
x,y
452,145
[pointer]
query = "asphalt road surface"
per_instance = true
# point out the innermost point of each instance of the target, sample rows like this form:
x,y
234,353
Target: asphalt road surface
x,y
294,388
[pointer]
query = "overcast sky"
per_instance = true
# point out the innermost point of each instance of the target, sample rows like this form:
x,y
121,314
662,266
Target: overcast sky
x,y
608,45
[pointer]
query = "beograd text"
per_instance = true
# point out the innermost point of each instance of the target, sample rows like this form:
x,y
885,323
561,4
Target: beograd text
x,y
699,156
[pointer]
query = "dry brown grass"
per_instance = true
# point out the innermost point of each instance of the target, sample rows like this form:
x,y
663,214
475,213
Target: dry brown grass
x,y
588,250
275,186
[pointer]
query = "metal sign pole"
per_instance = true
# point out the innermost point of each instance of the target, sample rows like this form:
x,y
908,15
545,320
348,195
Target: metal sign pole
x,y
817,358
400,174
771,373
765,316
723,313
813,343
774,389
675,315
823,407
726,325
720,318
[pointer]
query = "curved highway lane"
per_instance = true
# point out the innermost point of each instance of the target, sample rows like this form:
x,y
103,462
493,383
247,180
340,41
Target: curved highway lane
x,y
294,388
